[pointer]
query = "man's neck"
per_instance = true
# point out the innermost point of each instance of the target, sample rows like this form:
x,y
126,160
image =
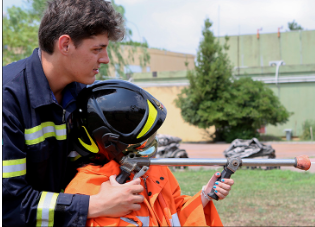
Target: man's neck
x,y
55,74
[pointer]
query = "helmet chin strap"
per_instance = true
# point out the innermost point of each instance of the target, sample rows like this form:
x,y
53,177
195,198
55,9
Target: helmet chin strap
x,y
110,142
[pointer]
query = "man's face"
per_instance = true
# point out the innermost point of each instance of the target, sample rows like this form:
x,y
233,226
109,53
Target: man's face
x,y
85,60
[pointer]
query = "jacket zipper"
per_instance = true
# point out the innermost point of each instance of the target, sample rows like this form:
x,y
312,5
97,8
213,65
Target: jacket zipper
x,y
63,115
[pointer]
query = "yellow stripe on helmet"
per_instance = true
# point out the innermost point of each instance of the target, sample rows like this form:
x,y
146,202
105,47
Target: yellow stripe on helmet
x,y
150,120
93,147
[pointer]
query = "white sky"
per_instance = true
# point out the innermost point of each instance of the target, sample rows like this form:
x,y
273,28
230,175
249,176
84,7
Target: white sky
x,y
176,25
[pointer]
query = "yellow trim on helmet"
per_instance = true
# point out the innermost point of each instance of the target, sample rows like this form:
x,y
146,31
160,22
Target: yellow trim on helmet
x,y
93,147
150,120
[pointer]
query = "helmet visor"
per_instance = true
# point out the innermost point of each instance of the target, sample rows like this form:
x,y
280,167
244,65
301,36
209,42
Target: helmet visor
x,y
146,148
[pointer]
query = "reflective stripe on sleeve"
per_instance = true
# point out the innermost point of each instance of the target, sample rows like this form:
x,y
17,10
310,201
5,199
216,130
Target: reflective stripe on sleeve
x,y
41,132
175,220
130,221
13,168
145,220
46,209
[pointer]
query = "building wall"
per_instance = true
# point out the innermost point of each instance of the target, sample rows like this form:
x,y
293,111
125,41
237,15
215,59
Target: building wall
x,y
250,57
160,60
294,48
298,98
174,124
169,61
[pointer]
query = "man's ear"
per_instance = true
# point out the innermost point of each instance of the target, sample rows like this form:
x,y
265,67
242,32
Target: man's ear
x,y
64,44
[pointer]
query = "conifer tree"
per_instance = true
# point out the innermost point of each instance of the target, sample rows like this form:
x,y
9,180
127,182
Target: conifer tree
x,y
237,108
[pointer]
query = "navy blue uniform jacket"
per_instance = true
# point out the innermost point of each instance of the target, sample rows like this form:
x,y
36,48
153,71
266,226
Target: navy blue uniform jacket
x,y
36,166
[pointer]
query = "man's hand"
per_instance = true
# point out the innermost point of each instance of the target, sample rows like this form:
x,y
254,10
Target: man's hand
x,y
221,188
116,200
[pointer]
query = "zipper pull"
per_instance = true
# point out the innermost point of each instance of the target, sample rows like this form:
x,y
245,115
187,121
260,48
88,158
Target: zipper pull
x,y
63,115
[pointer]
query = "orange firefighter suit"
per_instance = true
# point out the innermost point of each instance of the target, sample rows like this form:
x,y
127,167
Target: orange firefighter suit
x,y
163,204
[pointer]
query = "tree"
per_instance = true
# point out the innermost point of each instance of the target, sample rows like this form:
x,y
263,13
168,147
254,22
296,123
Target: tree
x,y
237,108
203,103
19,35
294,26
254,105
20,29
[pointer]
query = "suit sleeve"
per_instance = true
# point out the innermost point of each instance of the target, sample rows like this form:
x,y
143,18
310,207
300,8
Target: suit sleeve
x,y
190,209
21,204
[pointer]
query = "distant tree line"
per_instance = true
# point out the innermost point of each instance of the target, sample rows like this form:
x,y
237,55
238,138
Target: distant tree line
x,y
20,31
294,26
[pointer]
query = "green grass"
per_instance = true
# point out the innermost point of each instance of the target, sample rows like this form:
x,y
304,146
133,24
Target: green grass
x,y
260,197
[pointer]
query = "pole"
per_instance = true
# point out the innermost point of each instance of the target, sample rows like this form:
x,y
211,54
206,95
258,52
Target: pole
x,y
219,162
131,163
301,162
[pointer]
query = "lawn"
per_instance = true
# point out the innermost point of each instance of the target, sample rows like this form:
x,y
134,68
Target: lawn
x,y
260,197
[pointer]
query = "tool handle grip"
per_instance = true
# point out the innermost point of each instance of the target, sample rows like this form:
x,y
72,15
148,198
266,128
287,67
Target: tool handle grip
x,y
226,173
123,176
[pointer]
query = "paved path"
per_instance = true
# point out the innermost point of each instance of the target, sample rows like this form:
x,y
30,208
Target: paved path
x,y
283,150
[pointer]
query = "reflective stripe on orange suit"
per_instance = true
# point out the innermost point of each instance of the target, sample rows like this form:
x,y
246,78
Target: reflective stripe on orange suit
x,y
166,206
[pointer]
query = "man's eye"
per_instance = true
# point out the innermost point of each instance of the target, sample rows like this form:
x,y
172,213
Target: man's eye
x,y
98,49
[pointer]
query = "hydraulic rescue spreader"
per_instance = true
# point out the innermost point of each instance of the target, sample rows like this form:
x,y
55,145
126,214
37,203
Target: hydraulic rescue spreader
x,y
140,165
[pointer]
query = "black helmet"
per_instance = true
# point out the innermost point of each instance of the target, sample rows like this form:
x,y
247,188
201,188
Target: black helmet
x,y
114,118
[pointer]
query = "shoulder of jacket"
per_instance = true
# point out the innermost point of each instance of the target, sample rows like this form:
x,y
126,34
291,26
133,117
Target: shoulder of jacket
x,y
11,71
159,170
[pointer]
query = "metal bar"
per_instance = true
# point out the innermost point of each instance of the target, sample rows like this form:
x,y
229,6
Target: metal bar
x,y
268,162
219,162
188,161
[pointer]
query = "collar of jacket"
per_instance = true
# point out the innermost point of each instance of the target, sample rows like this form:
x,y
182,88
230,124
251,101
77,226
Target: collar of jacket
x,y
38,87
155,183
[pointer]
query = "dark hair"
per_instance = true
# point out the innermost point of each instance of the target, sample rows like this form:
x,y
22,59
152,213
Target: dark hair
x,y
80,19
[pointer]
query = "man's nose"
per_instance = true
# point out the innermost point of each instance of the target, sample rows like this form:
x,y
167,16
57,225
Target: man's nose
x,y
104,59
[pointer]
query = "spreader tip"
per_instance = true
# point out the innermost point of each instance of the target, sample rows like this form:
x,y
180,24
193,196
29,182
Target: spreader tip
x,y
303,162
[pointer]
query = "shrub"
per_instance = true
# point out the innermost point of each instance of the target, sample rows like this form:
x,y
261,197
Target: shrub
x,y
306,134
266,137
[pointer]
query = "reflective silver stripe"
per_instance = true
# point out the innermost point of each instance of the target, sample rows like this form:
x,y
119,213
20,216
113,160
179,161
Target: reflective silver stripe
x,y
175,220
47,129
145,220
46,209
130,221
40,133
13,168
73,154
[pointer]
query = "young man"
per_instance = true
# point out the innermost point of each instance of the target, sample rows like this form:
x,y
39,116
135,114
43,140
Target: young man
x,y
114,131
39,93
